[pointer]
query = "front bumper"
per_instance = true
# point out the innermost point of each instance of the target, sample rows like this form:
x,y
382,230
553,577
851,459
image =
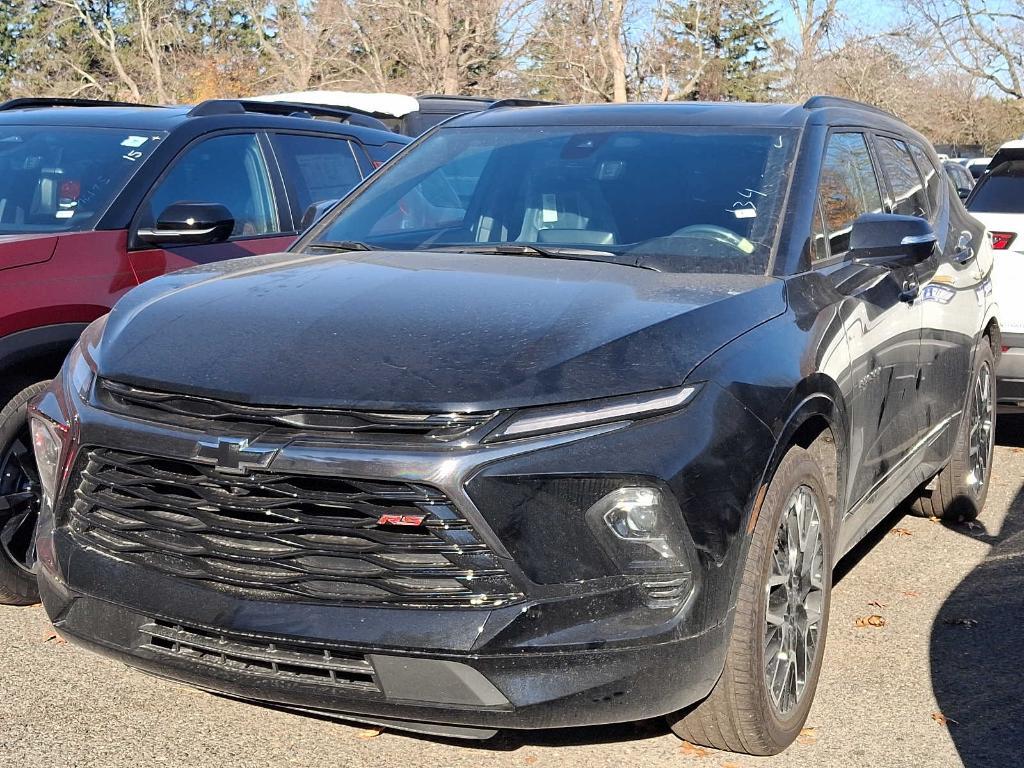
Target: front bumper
x,y
566,654
451,694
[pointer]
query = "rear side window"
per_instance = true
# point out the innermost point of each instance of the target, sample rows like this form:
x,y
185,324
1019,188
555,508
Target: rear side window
x,y
316,168
848,189
932,177
909,197
1001,191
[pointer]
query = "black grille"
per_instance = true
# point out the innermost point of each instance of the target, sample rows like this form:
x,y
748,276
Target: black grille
x,y
284,661
275,536
192,410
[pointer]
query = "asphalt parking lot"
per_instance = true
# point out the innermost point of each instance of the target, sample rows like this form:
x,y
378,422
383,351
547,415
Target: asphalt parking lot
x,y
938,684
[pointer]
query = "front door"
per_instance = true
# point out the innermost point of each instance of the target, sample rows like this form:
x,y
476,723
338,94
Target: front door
x,y
882,321
230,169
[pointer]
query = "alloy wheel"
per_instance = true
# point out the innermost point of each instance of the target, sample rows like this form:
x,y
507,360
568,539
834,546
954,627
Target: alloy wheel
x,y
981,437
19,502
794,601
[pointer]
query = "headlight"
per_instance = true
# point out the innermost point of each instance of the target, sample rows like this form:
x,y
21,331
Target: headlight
x,y
53,418
559,418
48,444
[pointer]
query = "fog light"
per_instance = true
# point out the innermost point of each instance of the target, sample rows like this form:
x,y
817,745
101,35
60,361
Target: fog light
x,y
47,441
641,530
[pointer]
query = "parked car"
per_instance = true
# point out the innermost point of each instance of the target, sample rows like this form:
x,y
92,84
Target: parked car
x,y
977,166
97,197
998,202
563,418
963,181
408,115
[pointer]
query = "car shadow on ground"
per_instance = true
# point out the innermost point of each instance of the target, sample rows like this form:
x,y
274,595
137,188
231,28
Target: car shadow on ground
x,y
977,640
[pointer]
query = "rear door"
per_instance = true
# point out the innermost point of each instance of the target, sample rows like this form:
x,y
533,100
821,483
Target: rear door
x,y
952,300
231,168
317,168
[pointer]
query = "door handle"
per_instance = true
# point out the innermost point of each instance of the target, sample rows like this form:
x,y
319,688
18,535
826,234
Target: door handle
x,y
910,291
963,252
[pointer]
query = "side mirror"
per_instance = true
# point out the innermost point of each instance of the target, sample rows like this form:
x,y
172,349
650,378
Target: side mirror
x,y
314,213
190,224
890,240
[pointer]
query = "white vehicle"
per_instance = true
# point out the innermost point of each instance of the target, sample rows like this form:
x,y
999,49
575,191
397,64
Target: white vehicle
x,y
998,202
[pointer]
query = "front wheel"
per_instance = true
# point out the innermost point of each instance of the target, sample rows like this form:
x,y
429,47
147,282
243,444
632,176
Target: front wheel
x,y
19,502
761,701
959,491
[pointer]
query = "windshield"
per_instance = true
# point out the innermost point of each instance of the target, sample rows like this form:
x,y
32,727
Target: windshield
x,y
62,179
1002,191
684,199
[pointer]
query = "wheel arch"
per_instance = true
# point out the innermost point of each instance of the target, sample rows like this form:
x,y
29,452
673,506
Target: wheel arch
x,y
34,354
814,418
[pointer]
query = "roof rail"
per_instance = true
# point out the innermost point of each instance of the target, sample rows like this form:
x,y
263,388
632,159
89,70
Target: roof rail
x,y
41,102
522,103
820,102
286,109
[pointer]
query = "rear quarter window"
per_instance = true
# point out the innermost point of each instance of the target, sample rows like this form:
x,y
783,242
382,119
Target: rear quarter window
x,y
1001,191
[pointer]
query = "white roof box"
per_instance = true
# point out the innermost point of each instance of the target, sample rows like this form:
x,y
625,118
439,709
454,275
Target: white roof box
x,y
378,104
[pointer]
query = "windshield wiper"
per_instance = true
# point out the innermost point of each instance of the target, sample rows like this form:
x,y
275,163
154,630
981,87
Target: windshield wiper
x,y
344,245
545,251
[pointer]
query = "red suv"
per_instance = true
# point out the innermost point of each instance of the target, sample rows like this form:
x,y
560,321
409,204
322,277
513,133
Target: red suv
x,y
96,197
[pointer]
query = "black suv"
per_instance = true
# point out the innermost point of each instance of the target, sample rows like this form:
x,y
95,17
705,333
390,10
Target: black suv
x,y
563,418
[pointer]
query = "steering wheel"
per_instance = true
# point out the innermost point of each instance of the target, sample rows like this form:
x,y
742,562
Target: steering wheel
x,y
717,234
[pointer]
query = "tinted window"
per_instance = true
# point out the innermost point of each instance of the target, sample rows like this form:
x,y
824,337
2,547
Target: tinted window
x,y
64,179
908,191
932,177
848,188
229,170
1001,191
691,199
316,168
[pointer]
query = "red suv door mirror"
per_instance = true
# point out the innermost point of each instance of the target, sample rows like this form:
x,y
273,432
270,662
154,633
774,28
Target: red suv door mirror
x,y
190,224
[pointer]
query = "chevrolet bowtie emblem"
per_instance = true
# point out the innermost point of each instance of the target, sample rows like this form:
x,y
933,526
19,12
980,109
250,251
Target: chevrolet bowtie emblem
x,y
233,455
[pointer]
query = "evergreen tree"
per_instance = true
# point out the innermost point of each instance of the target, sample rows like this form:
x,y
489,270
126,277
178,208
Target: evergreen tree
x,y
718,50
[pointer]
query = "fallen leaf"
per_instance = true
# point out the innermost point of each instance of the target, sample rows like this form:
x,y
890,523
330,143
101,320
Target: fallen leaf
x,y
369,733
960,622
902,532
807,736
730,765
935,519
942,720
910,593
876,604
692,750
54,637
530,759
874,620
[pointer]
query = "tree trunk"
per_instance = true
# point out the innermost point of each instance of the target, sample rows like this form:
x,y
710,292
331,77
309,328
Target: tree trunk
x,y
616,54
446,57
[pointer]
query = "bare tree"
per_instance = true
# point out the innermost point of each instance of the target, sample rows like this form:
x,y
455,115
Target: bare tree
x,y
981,38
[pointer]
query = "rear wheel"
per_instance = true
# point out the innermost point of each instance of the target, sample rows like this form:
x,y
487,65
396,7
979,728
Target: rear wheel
x,y
775,651
19,502
959,491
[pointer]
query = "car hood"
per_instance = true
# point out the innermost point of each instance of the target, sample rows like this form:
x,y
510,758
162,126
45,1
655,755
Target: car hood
x,y
22,250
424,331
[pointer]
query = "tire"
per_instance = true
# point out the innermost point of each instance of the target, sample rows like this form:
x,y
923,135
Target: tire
x,y
743,712
17,521
959,491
